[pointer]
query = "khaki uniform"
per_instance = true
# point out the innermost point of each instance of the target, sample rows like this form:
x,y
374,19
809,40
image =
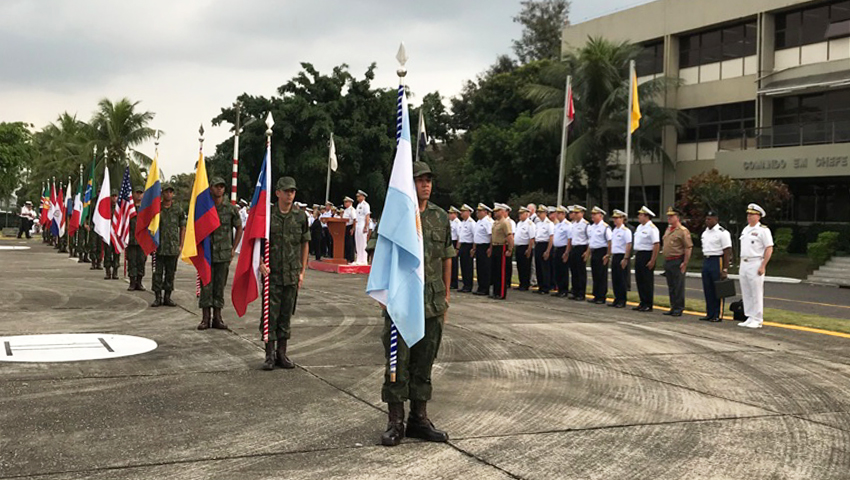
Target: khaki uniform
x,y
499,262
413,380
288,232
676,241
212,294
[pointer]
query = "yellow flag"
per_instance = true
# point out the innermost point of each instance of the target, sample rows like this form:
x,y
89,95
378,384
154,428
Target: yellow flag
x,y
634,108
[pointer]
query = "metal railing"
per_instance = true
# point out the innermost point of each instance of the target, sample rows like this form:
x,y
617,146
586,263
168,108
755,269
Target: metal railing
x,y
822,133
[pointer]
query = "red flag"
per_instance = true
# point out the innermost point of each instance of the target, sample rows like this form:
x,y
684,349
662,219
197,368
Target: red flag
x,y
246,279
571,111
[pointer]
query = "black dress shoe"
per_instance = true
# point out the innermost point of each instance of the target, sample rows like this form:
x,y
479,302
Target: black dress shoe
x,y
591,300
480,294
716,319
620,305
613,304
677,313
669,313
639,308
543,292
599,302
706,318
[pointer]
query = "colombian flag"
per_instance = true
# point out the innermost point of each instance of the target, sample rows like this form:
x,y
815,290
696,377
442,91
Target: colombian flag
x,y
147,217
202,221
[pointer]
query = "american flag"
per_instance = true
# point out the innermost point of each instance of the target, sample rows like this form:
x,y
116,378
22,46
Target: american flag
x,y
125,209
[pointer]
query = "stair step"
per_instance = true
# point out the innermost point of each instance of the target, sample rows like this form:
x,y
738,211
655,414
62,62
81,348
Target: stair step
x,y
839,260
834,269
842,282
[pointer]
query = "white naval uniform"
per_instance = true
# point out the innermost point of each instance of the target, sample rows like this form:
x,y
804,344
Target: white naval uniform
x,y
359,237
544,231
455,224
620,238
483,230
754,241
524,232
599,234
646,236
350,215
466,231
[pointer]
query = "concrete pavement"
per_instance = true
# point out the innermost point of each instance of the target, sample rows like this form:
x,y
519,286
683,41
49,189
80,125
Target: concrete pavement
x,y
532,388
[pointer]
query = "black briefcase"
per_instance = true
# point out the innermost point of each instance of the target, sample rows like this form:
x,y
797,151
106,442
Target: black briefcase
x,y
724,288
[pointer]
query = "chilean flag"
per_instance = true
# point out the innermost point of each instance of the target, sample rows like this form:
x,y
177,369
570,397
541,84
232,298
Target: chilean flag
x,y
76,215
246,279
202,221
54,211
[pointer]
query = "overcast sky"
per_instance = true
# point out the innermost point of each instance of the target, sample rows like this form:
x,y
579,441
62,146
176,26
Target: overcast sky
x,y
186,59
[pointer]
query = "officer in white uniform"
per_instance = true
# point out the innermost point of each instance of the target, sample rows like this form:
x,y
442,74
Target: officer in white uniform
x,y
327,240
578,253
756,250
559,252
532,215
483,232
599,242
717,251
544,232
524,246
647,245
466,239
455,224
350,215
620,254
361,228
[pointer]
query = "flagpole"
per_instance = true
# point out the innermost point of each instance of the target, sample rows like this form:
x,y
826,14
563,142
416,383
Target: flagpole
x,y
201,159
402,58
419,132
238,107
564,139
269,124
328,187
155,156
629,135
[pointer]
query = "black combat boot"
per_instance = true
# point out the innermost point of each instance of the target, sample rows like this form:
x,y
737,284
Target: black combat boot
x,y
139,286
282,360
132,284
115,273
205,319
395,425
157,299
419,426
108,275
269,363
217,322
93,264
167,299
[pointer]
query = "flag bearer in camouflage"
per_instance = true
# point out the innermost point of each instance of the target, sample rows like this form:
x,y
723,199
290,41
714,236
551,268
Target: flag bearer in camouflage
x,y
111,258
95,246
136,258
224,243
83,242
172,228
413,380
289,240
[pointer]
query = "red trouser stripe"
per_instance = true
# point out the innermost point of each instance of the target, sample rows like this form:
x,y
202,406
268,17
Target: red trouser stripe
x,y
504,280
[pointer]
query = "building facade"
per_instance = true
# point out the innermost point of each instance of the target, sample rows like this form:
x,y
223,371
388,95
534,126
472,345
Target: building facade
x,y
765,89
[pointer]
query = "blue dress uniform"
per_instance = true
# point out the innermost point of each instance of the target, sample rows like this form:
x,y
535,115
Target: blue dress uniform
x,y
482,236
559,247
621,241
466,239
599,238
544,231
714,241
578,245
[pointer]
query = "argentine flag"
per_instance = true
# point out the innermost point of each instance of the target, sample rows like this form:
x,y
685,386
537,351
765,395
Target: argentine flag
x,y
397,278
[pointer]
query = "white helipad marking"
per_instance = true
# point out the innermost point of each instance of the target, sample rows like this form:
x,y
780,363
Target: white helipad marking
x,y
13,247
72,347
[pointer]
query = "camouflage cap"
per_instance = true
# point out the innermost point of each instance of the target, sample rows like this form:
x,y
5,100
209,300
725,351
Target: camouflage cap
x,y
286,183
139,188
421,168
114,192
167,186
217,181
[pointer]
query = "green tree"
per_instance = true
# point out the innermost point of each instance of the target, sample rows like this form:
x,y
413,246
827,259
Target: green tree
x,y
600,71
16,154
729,198
118,126
542,23
307,109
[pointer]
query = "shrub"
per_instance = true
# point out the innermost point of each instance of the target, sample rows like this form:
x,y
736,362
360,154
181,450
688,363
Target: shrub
x,y
782,241
824,248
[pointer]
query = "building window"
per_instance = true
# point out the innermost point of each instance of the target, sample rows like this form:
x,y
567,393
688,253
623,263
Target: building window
x,y
812,119
718,121
726,43
617,197
650,61
812,25
820,200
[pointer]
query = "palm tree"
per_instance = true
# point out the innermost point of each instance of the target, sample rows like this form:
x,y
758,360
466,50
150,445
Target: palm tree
x,y
600,72
117,127
62,147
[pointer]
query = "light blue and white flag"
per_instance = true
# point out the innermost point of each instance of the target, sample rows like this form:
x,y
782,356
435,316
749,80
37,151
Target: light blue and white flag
x,y
397,278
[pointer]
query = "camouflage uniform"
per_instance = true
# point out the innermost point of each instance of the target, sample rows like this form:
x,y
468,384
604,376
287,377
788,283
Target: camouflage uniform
x,y
95,248
111,258
136,258
171,220
212,294
288,232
